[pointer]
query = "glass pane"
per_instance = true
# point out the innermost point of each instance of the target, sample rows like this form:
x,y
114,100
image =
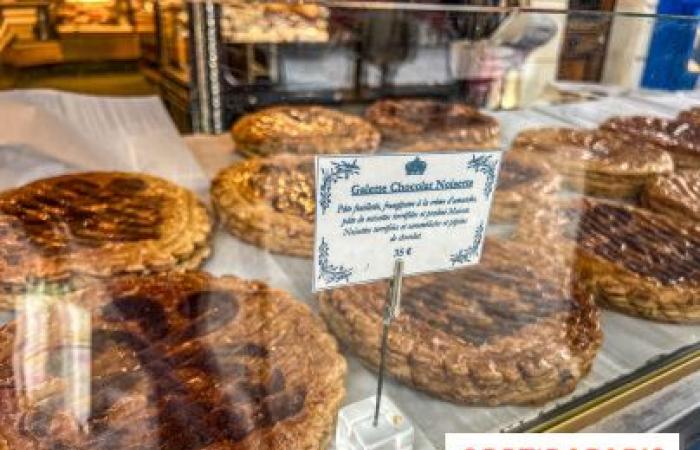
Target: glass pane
x,y
158,219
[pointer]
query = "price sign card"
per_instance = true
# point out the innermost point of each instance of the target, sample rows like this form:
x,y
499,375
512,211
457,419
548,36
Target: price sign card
x,y
430,210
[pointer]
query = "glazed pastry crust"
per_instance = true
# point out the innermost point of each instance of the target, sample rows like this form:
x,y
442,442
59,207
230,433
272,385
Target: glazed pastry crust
x,y
269,202
680,137
98,224
303,130
598,163
176,360
522,180
690,115
409,125
676,195
632,260
507,331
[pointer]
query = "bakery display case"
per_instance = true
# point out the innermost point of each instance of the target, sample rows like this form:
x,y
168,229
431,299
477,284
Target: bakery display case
x,y
104,30
173,60
159,255
50,33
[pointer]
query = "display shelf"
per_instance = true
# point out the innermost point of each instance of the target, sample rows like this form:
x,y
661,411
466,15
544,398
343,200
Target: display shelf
x,y
33,53
6,36
180,76
269,23
28,20
96,28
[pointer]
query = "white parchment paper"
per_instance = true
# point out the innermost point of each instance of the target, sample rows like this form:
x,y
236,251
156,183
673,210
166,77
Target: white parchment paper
x,y
92,133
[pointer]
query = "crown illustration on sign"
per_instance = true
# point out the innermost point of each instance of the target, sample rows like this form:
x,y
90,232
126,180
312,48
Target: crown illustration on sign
x,y
416,167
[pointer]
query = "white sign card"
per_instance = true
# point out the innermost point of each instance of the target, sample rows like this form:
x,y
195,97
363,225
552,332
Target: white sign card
x,y
430,210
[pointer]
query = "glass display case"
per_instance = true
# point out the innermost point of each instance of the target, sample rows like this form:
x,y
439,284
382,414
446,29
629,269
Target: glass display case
x,y
158,254
44,34
174,61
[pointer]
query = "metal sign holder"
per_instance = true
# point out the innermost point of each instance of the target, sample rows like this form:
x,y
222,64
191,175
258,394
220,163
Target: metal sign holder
x,y
368,423
391,311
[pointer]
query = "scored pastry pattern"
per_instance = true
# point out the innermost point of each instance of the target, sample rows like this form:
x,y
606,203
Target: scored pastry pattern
x,y
510,330
680,137
179,362
74,227
631,259
648,247
249,404
78,212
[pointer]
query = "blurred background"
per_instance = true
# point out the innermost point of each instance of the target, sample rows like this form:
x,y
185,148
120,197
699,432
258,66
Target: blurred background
x,y
253,53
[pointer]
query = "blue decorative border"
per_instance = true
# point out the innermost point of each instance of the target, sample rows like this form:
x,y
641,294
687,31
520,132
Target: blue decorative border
x,y
465,255
327,271
340,170
487,165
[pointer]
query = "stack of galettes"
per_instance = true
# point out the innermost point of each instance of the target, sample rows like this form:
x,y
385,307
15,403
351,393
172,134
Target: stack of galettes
x,y
268,199
102,271
635,238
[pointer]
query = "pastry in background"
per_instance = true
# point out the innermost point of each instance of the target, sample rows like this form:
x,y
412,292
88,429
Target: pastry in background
x,y
420,125
97,224
87,13
631,259
269,202
273,22
303,130
506,331
676,195
681,138
171,360
690,115
522,180
597,163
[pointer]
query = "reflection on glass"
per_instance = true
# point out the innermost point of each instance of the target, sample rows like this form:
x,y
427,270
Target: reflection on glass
x,y
52,357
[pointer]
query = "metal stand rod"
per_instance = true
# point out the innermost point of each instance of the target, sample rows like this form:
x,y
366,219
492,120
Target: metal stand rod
x,y
391,311
380,382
